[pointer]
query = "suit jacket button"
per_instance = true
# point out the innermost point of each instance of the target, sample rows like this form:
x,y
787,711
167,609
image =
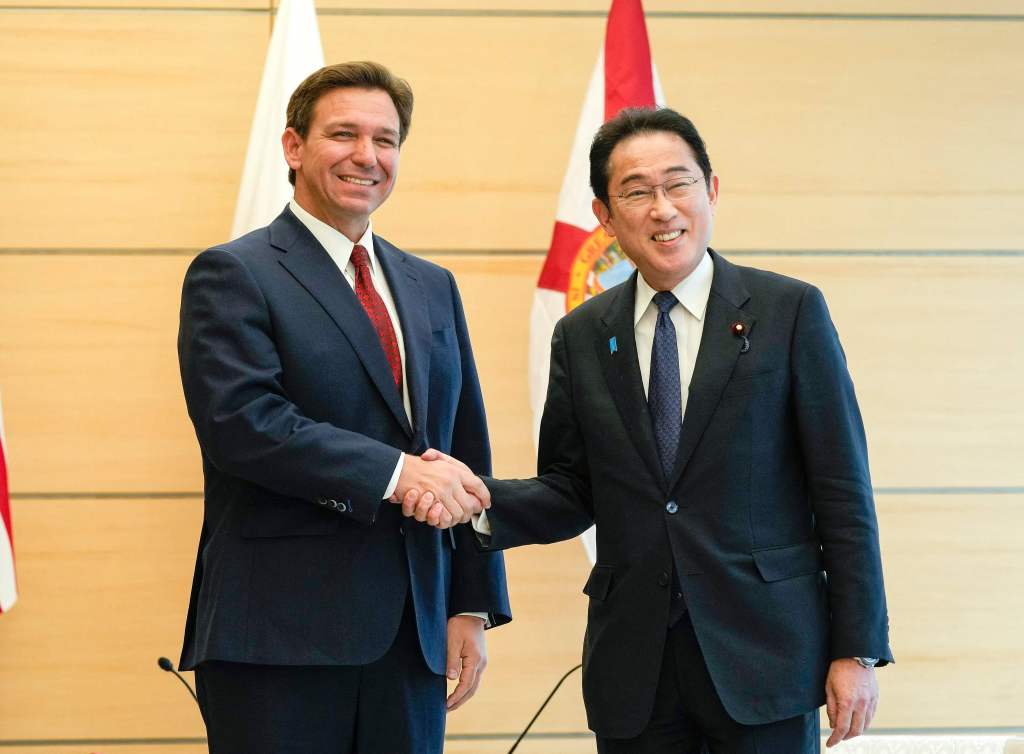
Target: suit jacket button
x,y
321,501
342,507
671,506
333,503
663,578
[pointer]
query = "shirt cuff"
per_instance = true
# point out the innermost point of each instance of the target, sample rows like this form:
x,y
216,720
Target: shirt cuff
x,y
482,616
481,525
394,478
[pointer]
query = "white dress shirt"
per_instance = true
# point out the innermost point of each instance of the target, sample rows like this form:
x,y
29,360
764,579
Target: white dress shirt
x,y
693,293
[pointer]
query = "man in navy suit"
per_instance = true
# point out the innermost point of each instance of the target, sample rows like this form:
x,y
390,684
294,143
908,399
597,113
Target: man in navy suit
x,y
317,361
702,416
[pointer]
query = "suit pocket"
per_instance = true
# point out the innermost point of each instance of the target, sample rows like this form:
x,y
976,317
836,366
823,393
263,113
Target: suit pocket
x,y
288,517
443,338
599,583
778,563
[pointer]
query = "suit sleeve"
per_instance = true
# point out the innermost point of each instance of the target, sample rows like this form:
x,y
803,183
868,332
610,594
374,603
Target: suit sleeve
x,y
244,420
835,454
556,505
478,579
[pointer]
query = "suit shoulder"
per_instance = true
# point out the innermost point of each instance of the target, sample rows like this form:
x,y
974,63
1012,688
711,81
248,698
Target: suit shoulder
x,y
766,283
252,248
593,308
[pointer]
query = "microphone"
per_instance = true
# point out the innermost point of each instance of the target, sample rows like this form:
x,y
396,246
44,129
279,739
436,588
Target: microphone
x,y
167,665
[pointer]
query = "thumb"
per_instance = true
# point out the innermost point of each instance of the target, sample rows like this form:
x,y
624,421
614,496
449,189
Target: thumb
x,y
432,455
454,663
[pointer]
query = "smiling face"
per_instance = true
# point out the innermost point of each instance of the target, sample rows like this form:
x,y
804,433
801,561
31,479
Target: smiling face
x,y
666,238
347,164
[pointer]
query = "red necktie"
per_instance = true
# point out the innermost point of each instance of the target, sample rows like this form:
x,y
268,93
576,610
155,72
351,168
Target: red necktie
x,y
378,313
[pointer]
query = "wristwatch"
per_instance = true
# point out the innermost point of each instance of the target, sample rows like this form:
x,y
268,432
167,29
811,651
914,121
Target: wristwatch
x,y
866,662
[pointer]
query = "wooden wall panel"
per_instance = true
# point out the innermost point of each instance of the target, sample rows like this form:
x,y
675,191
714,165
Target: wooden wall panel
x,y
955,583
93,403
132,126
104,586
654,7
838,134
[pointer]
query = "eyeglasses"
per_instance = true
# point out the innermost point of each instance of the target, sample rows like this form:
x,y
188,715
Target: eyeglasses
x,y
680,187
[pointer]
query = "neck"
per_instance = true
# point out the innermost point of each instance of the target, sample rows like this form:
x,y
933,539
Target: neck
x,y
350,227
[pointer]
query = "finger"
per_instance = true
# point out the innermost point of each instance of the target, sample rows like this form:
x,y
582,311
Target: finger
x,y
856,724
475,486
870,716
409,502
467,685
830,707
842,724
445,521
423,507
437,515
432,455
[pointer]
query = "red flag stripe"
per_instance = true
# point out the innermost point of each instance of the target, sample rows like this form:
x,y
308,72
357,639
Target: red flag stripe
x,y
628,81
5,510
565,243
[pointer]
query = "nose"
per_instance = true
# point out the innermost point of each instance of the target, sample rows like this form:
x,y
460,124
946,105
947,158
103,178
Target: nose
x,y
364,153
662,208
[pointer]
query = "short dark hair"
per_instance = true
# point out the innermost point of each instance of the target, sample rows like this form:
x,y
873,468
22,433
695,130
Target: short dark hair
x,y
633,121
363,74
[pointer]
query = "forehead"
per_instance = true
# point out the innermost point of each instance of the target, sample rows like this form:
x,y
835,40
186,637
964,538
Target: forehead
x,y
369,107
650,155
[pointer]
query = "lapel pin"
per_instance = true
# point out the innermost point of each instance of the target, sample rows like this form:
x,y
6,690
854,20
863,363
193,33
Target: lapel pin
x,y
740,331
613,344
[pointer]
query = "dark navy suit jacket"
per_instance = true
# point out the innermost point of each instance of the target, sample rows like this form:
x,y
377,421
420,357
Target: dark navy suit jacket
x,y
300,427
767,520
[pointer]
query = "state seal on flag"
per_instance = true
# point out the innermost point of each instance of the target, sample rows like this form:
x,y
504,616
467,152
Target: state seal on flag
x,y
599,264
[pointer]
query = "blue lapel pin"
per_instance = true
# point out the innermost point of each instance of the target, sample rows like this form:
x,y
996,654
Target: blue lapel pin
x,y
613,345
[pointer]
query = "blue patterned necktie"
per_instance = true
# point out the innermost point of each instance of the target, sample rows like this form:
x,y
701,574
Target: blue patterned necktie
x,y
664,397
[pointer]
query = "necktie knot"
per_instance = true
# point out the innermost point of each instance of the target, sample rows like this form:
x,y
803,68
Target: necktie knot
x,y
360,257
665,300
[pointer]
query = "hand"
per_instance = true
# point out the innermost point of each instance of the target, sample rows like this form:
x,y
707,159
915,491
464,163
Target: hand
x,y
467,657
425,503
851,698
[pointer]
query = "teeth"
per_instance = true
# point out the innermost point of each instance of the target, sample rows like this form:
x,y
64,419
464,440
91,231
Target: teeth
x,y
357,181
668,236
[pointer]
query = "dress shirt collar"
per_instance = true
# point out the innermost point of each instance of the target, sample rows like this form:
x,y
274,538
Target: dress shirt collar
x,y
692,291
336,243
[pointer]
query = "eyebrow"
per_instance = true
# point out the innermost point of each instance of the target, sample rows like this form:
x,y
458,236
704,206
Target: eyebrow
x,y
638,177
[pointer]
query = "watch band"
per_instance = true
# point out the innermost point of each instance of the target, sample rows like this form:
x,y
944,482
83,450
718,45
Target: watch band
x,y
866,662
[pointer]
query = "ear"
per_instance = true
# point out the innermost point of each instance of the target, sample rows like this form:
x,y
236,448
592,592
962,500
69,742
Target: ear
x,y
713,193
603,214
292,144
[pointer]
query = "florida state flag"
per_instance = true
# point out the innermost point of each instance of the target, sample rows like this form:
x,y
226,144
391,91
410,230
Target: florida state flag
x,y
583,260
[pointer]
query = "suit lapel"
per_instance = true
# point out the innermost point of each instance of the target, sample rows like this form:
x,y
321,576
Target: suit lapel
x,y
313,268
719,349
414,314
622,373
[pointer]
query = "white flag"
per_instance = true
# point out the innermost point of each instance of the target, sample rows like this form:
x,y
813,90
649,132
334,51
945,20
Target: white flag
x,y
294,53
583,260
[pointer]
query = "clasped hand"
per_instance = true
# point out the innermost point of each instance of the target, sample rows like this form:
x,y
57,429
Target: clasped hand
x,y
439,490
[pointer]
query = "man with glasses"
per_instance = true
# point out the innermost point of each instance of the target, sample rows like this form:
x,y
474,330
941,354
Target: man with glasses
x,y
702,416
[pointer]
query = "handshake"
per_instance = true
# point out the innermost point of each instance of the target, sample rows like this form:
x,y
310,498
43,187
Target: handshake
x,y
439,490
